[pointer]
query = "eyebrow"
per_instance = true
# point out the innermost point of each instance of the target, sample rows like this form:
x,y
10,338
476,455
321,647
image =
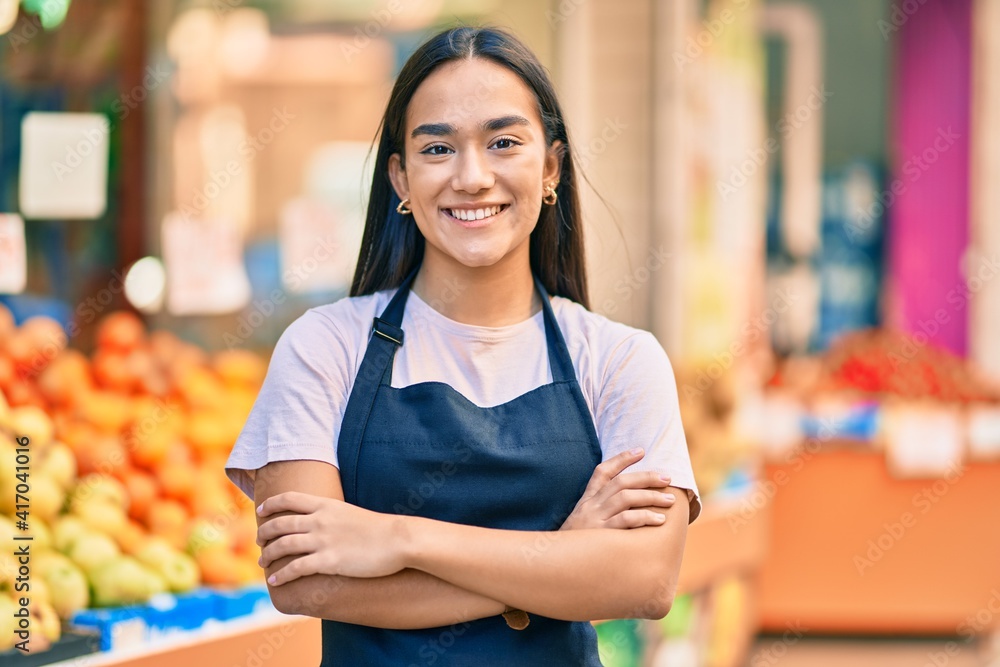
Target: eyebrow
x,y
491,125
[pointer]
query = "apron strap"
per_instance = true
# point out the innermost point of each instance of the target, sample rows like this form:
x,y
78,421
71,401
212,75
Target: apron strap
x,y
560,363
376,369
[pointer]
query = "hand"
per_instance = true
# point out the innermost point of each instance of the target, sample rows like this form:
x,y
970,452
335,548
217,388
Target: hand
x,y
326,536
612,500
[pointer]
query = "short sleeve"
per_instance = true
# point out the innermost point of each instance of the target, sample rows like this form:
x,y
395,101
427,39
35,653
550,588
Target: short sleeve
x,y
301,404
638,407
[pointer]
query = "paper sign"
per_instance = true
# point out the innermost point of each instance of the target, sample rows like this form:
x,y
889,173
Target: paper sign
x,y
64,165
923,441
312,250
13,254
204,262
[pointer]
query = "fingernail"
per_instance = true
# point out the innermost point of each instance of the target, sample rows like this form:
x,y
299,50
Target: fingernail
x,y
260,561
669,496
260,508
660,518
635,451
273,578
664,478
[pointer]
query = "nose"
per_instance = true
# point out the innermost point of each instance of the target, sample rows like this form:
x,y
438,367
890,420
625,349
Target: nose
x,y
473,173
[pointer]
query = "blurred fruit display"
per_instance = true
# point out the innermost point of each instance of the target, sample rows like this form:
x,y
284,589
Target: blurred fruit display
x,y
127,496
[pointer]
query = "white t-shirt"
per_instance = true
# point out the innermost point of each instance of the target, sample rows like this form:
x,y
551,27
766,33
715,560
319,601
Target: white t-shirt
x,y
624,373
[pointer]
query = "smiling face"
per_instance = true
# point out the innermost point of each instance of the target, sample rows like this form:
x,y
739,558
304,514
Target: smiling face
x,y
476,164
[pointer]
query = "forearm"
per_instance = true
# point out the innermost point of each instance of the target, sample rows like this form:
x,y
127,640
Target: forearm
x,y
409,599
570,575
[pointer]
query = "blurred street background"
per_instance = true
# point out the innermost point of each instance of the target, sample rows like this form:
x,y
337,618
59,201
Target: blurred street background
x,y
797,197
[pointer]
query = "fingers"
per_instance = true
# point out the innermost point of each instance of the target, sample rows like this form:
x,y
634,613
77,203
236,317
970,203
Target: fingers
x,y
300,567
287,545
282,525
636,519
609,469
632,498
641,480
290,501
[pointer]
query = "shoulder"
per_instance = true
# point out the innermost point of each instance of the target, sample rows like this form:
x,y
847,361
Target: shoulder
x,y
329,338
605,343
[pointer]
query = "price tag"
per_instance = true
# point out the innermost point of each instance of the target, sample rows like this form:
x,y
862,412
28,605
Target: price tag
x,y
923,440
983,424
312,248
204,265
64,165
13,254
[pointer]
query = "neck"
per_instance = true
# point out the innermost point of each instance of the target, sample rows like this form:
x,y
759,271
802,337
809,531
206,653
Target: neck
x,y
490,296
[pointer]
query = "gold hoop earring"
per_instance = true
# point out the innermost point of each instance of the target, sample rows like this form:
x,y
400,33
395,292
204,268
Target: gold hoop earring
x,y
550,197
401,207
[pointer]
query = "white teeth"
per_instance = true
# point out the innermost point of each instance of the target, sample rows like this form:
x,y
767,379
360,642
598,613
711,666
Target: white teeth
x,y
478,214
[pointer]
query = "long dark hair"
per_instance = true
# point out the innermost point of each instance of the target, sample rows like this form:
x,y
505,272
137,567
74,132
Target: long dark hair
x,y
392,246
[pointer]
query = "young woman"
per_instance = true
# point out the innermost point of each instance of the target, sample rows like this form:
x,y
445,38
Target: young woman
x,y
438,459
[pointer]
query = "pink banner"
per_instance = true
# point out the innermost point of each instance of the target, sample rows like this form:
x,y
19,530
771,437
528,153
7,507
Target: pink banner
x,y
929,221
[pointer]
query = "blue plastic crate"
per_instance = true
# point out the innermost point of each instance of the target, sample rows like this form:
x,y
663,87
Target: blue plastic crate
x,y
186,611
242,602
118,627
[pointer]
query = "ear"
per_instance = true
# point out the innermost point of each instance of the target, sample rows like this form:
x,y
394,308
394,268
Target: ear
x,y
552,169
397,176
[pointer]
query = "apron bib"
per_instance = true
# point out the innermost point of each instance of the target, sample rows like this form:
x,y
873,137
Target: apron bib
x,y
426,450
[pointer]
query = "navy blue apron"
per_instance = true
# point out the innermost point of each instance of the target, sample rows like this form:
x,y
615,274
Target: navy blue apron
x,y
426,450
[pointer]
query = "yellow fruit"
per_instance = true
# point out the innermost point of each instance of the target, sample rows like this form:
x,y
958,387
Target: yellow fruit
x,y
40,590
48,620
65,529
41,534
68,586
99,486
89,551
59,463
47,497
32,422
206,535
8,622
124,580
178,570
101,515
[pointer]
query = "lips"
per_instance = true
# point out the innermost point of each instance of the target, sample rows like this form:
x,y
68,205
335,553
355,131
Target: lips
x,y
472,214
